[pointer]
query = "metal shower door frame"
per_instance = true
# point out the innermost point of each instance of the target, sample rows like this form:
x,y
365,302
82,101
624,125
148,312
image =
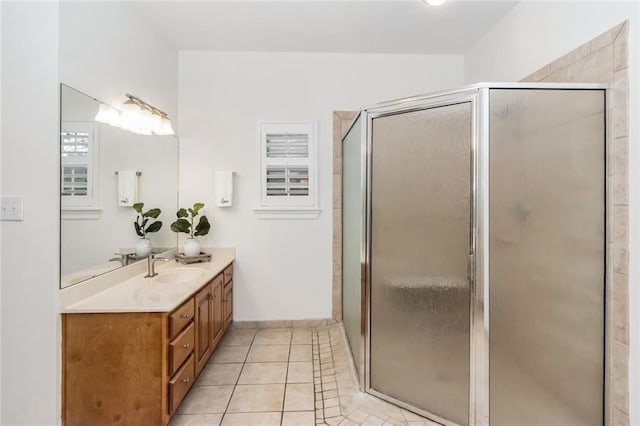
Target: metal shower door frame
x,y
478,332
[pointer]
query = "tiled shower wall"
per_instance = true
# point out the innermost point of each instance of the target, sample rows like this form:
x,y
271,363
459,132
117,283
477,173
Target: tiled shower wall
x,y
601,60
604,60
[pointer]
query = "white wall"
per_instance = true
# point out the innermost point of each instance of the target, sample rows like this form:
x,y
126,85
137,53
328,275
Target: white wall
x,y
284,268
104,50
30,325
533,34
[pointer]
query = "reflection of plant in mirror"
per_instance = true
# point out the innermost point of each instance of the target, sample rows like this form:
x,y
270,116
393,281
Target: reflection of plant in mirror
x,y
142,224
186,225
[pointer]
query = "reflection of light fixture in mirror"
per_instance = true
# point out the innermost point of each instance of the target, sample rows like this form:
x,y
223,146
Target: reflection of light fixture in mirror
x,y
434,2
108,115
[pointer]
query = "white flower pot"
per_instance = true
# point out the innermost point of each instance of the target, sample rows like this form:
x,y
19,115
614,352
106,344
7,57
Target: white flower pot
x,y
191,247
143,247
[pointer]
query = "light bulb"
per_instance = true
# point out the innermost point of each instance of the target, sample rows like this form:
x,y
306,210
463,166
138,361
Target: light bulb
x,y
133,118
165,129
108,115
435,2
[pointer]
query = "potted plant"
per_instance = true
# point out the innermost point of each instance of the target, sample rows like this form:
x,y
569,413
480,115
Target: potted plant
x,y
144,225
185,224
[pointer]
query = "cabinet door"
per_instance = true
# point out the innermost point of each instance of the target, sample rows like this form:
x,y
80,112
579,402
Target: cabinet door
x,y
228,304
218,320
203,326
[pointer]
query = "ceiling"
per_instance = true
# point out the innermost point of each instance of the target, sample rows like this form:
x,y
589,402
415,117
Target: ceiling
x,y
401,26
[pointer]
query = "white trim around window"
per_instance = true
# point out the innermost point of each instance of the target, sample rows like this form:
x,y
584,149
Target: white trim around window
x,y
288,170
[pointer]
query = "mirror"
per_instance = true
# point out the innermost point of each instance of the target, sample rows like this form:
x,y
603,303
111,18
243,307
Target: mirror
x,y
97,234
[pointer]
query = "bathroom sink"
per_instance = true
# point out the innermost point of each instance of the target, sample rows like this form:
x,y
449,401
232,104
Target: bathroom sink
x,y
178,276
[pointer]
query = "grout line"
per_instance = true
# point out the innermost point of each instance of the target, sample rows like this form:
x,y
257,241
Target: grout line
x,y
226,408
286,378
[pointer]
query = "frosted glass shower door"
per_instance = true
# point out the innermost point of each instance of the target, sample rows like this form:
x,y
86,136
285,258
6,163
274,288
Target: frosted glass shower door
x,y
352,234
547,258
420,246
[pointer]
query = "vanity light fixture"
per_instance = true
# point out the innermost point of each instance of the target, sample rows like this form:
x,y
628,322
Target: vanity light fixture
x,y
109,115
435,2
137,116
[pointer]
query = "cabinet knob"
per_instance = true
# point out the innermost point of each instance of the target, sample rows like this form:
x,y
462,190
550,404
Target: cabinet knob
x,y
186,346
187,380
185,316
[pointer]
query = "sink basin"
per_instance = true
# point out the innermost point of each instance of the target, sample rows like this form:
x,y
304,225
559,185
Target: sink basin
x,y
178,276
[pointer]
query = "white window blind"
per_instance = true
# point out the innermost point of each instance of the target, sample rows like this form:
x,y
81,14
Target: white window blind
x,y
288,165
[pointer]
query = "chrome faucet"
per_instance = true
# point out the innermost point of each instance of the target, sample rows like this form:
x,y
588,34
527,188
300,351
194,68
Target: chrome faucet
x,y
151,261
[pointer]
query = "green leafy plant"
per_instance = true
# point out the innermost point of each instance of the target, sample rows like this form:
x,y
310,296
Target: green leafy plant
x,y
185,222
144,223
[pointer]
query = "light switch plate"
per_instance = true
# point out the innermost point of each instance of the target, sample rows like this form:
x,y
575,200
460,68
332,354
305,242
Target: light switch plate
x,y
11,208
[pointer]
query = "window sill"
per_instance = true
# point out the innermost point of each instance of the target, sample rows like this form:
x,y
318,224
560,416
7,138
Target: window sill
x,y
287,213
80,213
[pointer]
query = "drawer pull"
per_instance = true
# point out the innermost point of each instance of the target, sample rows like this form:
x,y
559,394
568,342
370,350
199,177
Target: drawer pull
x,y
185,316
186,346
187,380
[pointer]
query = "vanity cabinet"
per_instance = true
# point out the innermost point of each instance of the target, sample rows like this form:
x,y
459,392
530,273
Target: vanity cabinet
x,y
137,367
227,300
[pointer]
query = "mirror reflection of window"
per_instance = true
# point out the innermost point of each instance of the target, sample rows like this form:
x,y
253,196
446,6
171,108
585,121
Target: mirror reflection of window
x,y
79,149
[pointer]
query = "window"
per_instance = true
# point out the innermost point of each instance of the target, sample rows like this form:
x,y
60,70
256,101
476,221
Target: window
x,y
78,153
288,169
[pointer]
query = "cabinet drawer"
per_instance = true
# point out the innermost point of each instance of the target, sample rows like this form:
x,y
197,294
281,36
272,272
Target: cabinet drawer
x,y
181,347
228,274
179,318
180,383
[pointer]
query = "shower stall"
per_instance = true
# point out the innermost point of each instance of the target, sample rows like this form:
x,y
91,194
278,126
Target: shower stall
x,y
474,253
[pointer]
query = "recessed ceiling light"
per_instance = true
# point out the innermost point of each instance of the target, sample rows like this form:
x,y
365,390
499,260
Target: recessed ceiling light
x,y
434,2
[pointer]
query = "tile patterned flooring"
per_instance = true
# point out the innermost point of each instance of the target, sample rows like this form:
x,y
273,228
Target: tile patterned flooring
x,y
287,376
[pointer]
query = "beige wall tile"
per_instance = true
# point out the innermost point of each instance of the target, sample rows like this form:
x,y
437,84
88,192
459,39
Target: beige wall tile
x,y
619,154
620,89
594,68
621,225
573,56
620,308
621,48
605,39
337,192
620,418
620,377
621,260
619,122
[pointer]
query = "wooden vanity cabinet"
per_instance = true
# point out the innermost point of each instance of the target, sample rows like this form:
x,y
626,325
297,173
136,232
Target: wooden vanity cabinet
x,y
137,367
204,341
227,300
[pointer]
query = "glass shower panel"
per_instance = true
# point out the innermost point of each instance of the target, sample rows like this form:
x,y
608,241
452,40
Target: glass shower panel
x,y
352,233
547,259
420,242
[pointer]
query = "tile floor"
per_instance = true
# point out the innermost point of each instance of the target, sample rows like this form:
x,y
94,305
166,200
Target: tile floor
x,y
290,376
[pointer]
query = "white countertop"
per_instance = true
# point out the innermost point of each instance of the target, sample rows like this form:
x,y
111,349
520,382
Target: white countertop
x,y
139,294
